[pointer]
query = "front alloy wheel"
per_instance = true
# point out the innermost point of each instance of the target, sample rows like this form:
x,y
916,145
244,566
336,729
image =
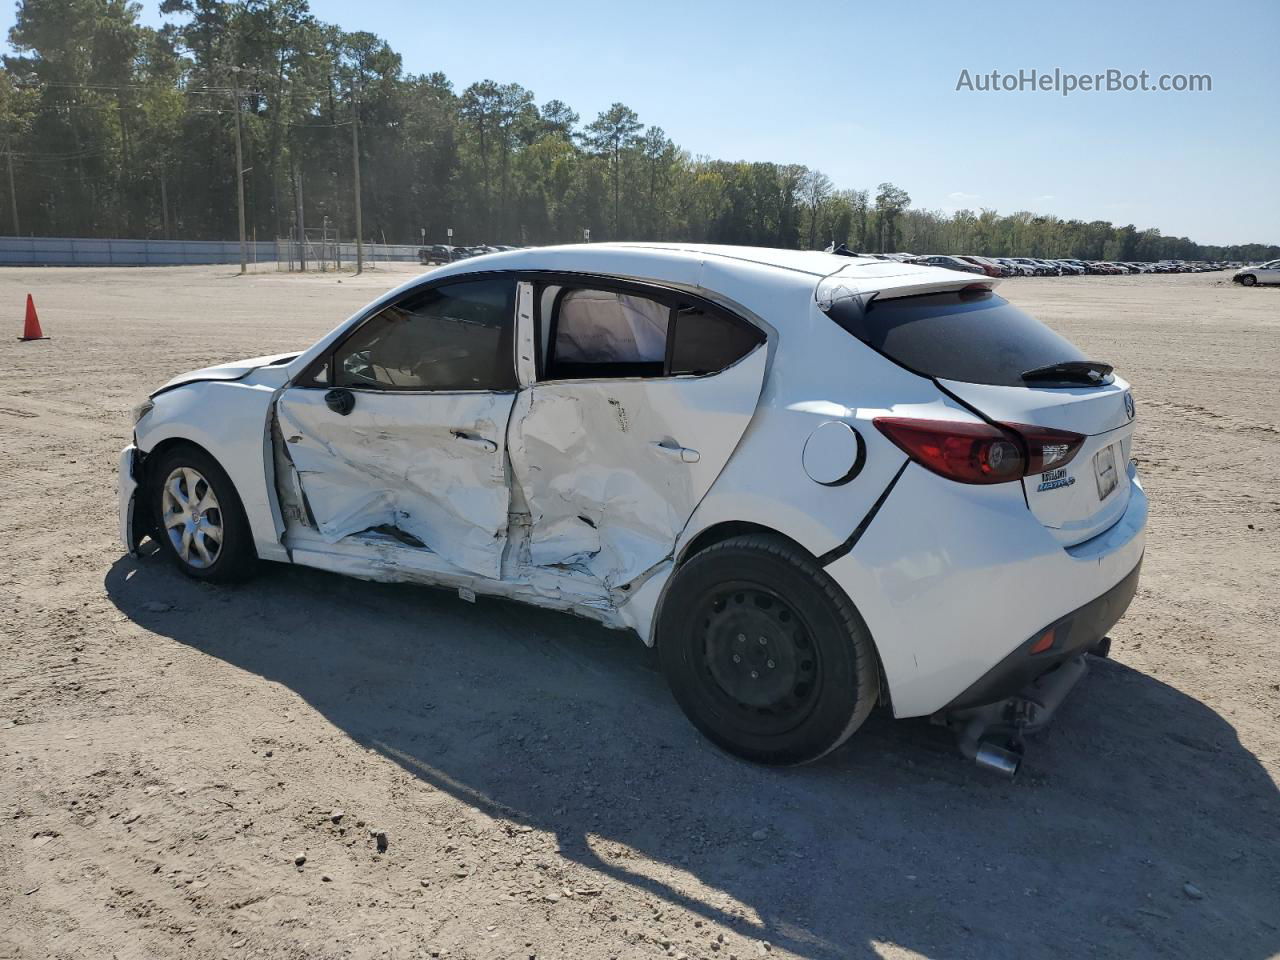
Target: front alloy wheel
x,y
192,517
197,517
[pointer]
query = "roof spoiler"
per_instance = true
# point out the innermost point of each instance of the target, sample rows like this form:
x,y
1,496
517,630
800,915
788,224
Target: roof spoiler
x,y
841,286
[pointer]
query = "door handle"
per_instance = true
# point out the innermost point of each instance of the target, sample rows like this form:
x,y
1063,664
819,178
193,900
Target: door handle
x,y
341,402
487,445
675,452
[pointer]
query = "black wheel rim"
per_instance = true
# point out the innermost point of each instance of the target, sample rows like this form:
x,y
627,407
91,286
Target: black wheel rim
x,y
756,657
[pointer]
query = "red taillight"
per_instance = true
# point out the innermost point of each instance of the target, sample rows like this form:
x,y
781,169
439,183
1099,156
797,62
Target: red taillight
x,y
972,452
956,449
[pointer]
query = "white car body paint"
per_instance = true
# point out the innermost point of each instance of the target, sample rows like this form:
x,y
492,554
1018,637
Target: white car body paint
x,y
231,420
956,583
611,470
949,577
430,464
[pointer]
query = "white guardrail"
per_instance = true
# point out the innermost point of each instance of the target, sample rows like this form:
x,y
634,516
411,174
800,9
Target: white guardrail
x,y
90,252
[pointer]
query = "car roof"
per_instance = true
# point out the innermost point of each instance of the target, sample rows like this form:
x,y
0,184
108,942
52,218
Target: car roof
x,y
602,256
744,275
691,265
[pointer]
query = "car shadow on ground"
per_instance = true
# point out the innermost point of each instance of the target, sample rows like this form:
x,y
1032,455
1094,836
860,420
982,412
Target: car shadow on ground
x,y
556,723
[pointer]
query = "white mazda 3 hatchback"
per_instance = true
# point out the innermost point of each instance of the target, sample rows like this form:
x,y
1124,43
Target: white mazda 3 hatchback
x,y
815,482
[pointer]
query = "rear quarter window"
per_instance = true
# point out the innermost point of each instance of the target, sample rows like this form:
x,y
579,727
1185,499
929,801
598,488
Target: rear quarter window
x,y
971,336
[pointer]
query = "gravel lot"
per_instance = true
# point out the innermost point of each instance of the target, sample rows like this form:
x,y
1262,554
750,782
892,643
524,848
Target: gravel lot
x,y
169,751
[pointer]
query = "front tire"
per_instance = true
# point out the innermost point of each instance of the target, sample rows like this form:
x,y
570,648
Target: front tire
x,y
1248,280
764,652
198,518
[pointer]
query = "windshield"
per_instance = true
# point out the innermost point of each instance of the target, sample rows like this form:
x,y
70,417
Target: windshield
x,y
972,336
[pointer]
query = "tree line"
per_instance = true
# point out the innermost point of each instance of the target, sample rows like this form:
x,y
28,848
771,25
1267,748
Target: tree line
x,y
113,128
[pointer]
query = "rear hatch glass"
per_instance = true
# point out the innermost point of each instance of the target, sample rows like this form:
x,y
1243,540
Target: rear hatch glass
x,y
1014,370
970,335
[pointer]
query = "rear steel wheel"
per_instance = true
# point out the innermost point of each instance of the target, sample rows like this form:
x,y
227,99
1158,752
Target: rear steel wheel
x,y
764,652
758,656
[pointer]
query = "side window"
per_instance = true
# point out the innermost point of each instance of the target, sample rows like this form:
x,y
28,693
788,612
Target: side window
x,y
705,342
453,337
591,334
605,333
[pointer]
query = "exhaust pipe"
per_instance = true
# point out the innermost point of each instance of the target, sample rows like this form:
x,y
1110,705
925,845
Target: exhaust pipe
x,y
991,756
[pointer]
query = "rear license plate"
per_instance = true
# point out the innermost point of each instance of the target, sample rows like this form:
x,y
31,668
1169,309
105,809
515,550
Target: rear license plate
x,y
1104,468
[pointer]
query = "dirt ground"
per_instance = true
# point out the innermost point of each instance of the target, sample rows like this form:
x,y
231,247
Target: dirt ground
x,y
170,750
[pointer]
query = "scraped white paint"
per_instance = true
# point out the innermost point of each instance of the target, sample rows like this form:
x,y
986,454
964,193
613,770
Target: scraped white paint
x,y
373,555
611,470
432,465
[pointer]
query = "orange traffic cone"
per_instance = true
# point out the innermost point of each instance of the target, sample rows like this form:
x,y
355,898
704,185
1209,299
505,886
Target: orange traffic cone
x,y
31,329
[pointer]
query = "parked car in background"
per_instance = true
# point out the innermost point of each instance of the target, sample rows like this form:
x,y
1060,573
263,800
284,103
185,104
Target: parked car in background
x,y
435,253
1037,267
1018,269
989,267
947,262
1268,272
812,483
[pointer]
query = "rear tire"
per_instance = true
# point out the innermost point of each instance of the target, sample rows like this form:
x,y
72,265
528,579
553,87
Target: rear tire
x,y
197,516
764,652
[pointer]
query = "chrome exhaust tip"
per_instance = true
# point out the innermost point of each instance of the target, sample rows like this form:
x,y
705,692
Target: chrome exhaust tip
x,y
993,757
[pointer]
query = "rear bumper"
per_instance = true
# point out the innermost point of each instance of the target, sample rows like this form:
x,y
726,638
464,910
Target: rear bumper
x,y
953,580
1073,635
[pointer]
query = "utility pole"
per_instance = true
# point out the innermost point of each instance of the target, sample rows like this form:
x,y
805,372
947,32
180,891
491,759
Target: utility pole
x,y
301,226
235,94
355,168
13,194
164,200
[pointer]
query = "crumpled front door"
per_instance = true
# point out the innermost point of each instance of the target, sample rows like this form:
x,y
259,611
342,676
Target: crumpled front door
x,y
430,465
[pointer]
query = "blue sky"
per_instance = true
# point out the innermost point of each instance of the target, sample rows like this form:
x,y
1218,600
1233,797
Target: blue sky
x,y
867,92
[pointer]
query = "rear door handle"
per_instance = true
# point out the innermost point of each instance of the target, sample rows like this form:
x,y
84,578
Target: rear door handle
x,y
683,454
487,445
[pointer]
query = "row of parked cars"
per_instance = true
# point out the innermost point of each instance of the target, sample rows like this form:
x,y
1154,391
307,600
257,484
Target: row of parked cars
x,y
443,253
1041,267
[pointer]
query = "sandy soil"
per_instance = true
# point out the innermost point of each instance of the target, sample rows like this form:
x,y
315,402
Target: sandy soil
x,y
168,751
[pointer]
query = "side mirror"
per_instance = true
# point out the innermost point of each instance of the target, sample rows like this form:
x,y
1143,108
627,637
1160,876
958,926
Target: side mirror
x,y
340,401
